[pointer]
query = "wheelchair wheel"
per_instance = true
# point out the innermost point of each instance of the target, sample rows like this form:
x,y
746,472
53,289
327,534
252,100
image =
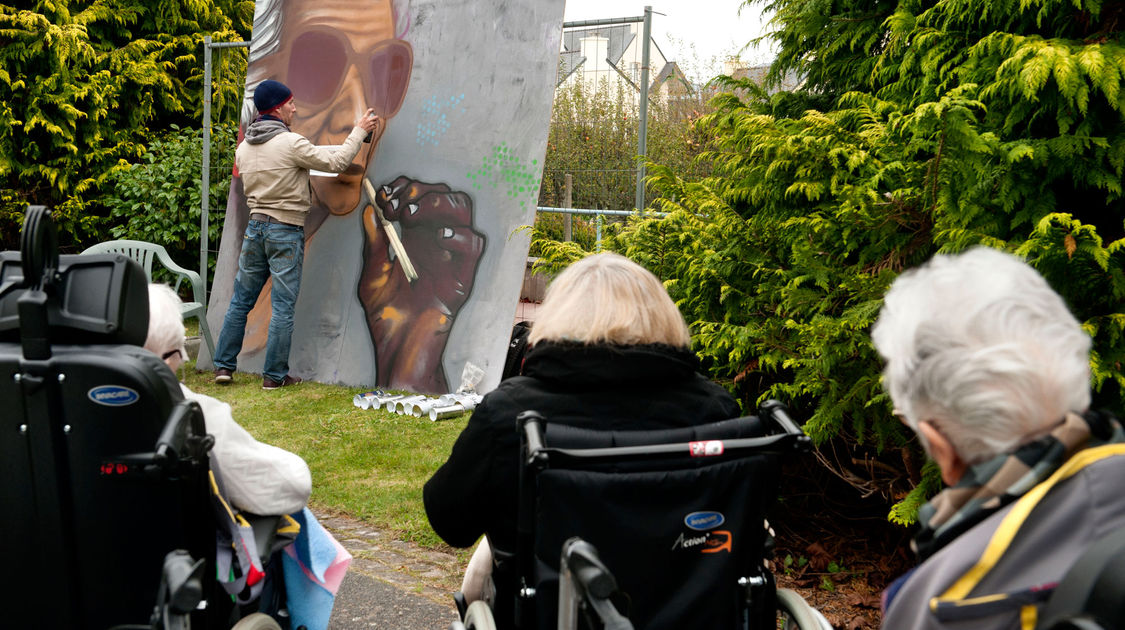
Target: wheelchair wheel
x,y
794,613
257,621
479,617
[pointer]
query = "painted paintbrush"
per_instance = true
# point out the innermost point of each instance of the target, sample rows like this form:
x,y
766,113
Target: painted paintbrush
x,y
392,234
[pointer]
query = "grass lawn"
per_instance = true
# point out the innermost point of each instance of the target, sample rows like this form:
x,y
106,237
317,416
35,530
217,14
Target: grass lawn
x,y
368,464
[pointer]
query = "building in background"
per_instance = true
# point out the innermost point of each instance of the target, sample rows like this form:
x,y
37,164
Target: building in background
x,y
738,69
610,57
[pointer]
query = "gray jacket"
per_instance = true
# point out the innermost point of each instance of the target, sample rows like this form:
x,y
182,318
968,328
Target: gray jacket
x,y
1074,513
274,165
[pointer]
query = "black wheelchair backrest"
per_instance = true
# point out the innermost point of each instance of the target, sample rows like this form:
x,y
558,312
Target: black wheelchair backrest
x,y
102,462
677,515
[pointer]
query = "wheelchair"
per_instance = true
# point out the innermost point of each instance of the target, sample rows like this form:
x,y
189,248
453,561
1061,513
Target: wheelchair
x,y
106,479
646,529
1091,596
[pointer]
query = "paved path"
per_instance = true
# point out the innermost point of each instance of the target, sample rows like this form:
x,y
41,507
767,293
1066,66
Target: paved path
x,y
391,585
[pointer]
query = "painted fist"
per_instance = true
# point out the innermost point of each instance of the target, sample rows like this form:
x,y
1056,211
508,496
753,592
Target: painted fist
x,y
410,322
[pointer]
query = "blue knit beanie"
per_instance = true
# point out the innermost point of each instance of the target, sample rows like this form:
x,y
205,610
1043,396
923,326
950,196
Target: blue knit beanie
x,y
270,94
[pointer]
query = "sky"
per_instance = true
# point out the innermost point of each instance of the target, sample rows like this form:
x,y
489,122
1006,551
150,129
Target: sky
x,y
693,33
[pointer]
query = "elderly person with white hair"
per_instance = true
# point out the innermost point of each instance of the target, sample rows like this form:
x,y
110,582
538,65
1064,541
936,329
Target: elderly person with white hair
x,y
258,478
988,367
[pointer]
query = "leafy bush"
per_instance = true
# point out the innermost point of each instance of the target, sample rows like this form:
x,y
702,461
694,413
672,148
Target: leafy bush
x,y
549,227
593,137
158,199
82,84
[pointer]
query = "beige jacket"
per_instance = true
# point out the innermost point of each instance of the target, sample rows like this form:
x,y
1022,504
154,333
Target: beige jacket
x,y
275,173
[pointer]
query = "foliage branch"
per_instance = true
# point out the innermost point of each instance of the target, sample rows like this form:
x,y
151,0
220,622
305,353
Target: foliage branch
x,y
82,85
158,198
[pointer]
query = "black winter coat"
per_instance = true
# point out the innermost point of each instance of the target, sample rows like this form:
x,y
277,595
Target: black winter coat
x,y
610,387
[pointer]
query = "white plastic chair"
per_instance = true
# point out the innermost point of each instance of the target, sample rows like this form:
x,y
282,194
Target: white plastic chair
x,y
144,253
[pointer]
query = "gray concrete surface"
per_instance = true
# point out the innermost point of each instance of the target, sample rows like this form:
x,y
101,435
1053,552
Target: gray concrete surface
x,y
366,603
391,584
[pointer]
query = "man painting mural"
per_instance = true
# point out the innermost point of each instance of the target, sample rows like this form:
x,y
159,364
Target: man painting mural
x,y
340,57
274,165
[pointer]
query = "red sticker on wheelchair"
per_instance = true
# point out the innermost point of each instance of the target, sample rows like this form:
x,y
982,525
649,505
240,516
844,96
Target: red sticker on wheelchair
x,y
706,448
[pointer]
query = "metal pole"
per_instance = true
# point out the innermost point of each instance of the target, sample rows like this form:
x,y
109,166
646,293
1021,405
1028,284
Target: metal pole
x,y
205,179
603,22
614,213
205,198
568,202
599,218
642,135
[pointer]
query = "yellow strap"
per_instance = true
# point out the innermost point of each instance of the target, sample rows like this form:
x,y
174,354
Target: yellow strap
x,y
1009,527
288,525
215,490
236,518
1029,616
970,601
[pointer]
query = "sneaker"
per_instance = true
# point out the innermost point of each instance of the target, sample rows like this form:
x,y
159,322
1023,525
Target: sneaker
x,y
223,376
269,383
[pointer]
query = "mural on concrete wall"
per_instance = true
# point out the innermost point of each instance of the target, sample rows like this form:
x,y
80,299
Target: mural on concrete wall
x,y
465,89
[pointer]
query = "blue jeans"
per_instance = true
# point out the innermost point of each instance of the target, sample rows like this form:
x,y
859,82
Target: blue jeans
x,y
272,250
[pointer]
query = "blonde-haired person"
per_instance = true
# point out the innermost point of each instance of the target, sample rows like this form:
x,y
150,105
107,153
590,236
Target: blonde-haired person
x,y
609,299
258,478
608,350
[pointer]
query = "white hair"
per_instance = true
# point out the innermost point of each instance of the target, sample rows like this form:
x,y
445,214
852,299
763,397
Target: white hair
x,y
165,323
982,347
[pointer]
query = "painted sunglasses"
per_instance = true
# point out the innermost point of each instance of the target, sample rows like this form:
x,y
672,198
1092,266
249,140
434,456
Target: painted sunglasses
x,y
319,59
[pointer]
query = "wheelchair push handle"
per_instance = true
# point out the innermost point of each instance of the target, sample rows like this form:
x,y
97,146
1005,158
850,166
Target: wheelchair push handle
x,y
530,423
39,261
776,411
39,248
183,437
175,441
581,559
585,577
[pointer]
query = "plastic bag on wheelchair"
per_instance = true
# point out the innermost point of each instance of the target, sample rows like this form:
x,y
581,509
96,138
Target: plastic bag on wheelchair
x,y
245,544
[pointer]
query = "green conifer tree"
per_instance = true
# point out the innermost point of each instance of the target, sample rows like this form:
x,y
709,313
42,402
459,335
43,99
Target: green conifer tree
x,y
922,127
82,85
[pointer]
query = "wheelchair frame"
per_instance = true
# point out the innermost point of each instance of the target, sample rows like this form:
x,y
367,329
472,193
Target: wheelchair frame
x,y
585,583
103,459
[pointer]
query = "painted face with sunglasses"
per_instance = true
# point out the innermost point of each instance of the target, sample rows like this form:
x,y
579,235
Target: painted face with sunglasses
x,y
339,58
